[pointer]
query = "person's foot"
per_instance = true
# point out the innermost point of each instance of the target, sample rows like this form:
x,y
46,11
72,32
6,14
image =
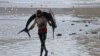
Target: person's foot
x,y
46,54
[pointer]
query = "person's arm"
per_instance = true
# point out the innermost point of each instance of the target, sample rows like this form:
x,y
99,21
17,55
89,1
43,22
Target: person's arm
x,y
32,26
49,22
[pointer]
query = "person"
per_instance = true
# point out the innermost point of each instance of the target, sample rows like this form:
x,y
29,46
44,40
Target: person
x,y
41,22
41,19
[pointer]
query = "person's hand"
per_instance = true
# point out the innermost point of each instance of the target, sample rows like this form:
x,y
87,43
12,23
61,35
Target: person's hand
x,y
26,30
55,26
23,30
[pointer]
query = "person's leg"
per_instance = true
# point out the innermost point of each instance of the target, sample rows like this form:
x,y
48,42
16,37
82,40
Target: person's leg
x,y
42,37
44,46
41,51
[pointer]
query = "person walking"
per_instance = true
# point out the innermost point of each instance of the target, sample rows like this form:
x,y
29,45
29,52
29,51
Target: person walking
x,y
41,19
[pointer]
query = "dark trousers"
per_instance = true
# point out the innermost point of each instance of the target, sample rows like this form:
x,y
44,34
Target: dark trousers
x,y
42,37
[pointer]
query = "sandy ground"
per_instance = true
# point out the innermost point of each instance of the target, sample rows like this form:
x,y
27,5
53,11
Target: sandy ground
x,y
78,38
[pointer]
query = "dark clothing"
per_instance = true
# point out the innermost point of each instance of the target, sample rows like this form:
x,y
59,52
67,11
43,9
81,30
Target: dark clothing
x,y
42,37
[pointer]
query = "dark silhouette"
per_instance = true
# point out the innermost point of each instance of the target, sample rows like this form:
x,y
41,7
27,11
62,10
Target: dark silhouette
x,y
41,19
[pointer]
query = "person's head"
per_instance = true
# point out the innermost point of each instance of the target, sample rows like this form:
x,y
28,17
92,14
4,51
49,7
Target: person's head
x,y
39,13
